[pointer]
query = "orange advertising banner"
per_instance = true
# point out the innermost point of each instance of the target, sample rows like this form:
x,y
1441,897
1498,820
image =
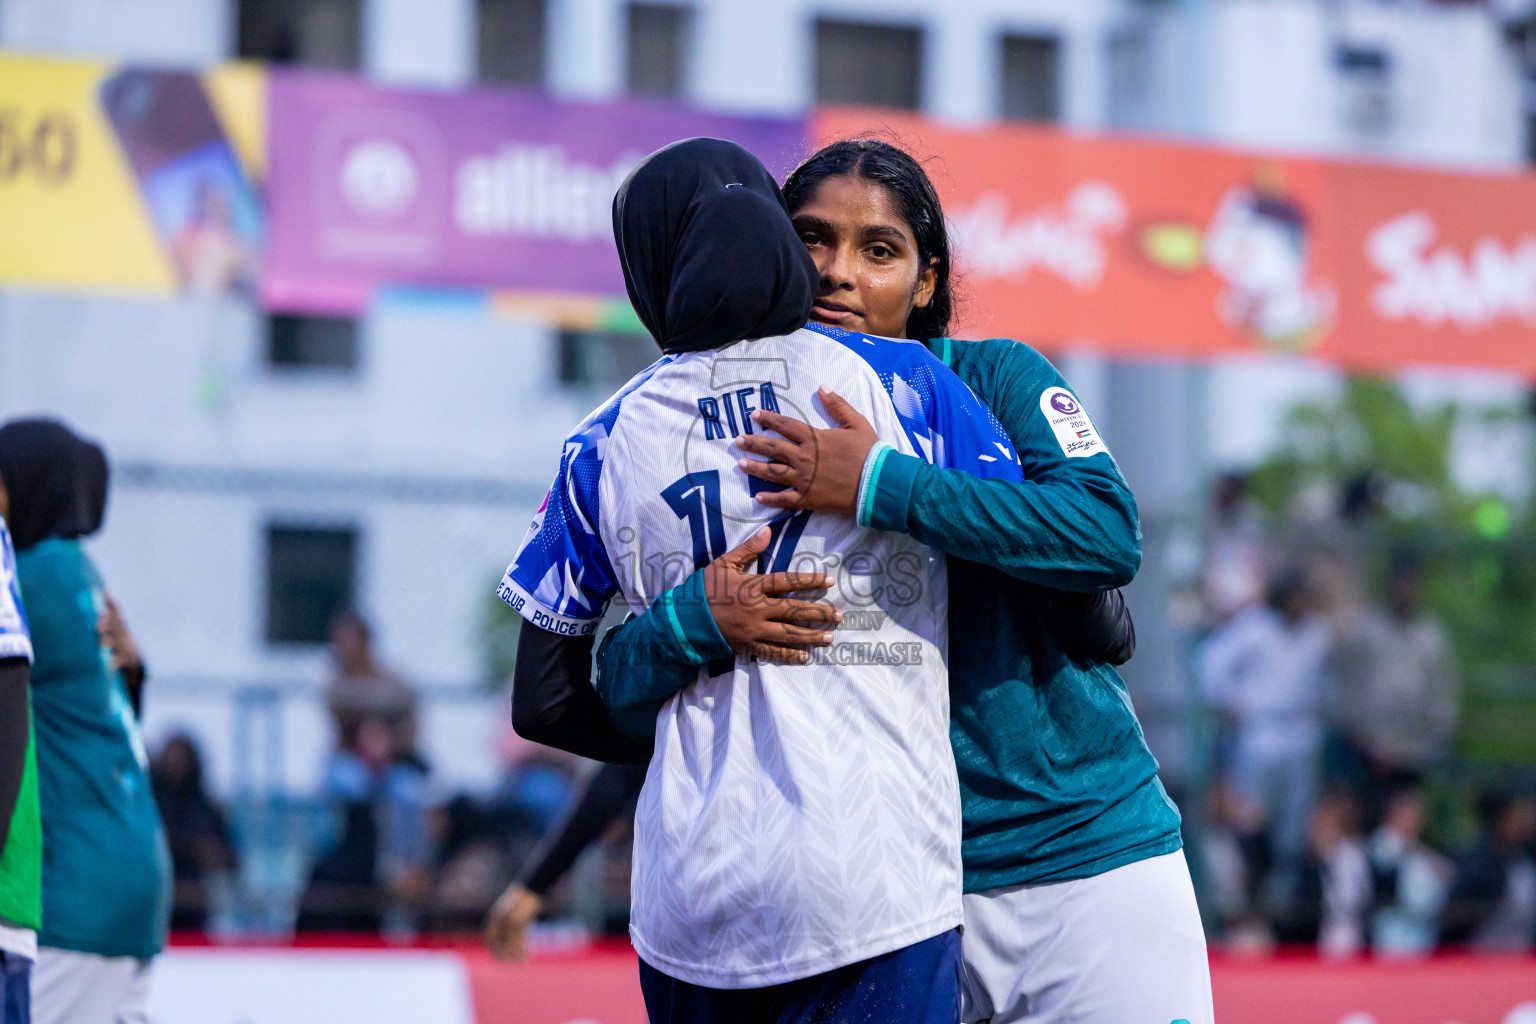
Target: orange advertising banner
x,y
1140,247
1438,268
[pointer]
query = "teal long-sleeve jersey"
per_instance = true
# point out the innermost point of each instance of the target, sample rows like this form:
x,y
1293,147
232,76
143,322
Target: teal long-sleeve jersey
x,y
1056,781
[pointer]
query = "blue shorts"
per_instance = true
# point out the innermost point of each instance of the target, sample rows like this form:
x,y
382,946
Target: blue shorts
x,y
15,989
917,984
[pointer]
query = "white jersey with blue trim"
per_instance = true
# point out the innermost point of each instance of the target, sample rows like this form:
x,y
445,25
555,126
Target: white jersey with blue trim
x,y
794,819
15,641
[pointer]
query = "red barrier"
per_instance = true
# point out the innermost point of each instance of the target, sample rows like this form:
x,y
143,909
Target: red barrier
x,y
263,985
599,987
1446,990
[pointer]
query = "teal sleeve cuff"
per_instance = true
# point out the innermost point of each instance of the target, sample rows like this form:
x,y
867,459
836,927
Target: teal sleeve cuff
x,y
890,492
867,478
693,625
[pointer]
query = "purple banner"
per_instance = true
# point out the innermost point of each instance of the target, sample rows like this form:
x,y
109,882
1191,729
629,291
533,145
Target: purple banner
x,y
493,189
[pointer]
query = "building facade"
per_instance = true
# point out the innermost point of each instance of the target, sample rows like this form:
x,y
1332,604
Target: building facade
x,y
270,470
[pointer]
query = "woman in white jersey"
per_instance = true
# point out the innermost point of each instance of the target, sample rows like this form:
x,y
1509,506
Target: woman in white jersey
x,y
797,839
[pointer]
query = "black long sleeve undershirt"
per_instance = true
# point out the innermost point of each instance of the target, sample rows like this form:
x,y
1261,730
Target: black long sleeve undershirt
x,y
610,792
15,722
555,703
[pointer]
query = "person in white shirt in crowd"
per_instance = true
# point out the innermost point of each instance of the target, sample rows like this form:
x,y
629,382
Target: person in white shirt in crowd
x,y
1409,878
1337,874
1265,672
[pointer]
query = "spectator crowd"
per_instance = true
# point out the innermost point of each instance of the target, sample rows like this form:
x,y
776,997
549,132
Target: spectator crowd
x,y
1333,716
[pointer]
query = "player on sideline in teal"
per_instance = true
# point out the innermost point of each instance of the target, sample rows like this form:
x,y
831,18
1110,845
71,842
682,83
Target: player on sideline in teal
x,y
106,870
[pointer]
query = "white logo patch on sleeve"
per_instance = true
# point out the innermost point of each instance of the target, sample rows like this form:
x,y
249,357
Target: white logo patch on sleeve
x,y
1069,421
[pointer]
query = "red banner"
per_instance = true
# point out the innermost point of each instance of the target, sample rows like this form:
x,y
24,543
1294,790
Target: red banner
x,y
463,985
1450,990
1147,247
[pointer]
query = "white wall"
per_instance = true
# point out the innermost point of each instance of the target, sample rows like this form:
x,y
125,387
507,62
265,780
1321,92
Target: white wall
x,y
439,396
168,31
1453,89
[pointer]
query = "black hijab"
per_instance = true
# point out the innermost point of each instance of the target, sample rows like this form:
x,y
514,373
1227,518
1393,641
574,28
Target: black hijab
x,y
57,482
709,254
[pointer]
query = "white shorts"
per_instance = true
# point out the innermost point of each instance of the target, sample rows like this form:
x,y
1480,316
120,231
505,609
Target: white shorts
x,y
1124,947
83,988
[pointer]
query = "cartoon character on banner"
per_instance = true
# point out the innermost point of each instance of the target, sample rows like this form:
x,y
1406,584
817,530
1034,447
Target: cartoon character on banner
x,y
1257,242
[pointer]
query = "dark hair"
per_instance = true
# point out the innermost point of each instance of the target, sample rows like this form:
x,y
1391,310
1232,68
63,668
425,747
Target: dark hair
x,y
1284,586
916,199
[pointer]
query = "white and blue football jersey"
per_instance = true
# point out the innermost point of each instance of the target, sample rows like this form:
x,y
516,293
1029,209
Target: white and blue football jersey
x,y
15,641
794,818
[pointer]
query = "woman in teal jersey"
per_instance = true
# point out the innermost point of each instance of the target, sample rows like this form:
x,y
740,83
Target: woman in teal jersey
x,y
106,872
1078,904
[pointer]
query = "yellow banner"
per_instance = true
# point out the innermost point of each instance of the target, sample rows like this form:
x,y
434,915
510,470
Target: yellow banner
x,y
130,179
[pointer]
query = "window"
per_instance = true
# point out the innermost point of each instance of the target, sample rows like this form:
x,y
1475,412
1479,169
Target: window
x,y
509,41
658,48
869,65
321,342
603,360
1365,90
311,575
1031,69
322,33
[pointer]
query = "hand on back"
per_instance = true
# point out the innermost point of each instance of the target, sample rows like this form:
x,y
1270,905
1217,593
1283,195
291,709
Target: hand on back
x,y
820,468
768,616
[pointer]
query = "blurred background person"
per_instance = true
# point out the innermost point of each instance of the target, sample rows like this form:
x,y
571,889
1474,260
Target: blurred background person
x,y
1236,857
195,830
1398,701
1326,904
106,870
1409,879
1492,902
1235,563
362,690
376,871
1265,673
